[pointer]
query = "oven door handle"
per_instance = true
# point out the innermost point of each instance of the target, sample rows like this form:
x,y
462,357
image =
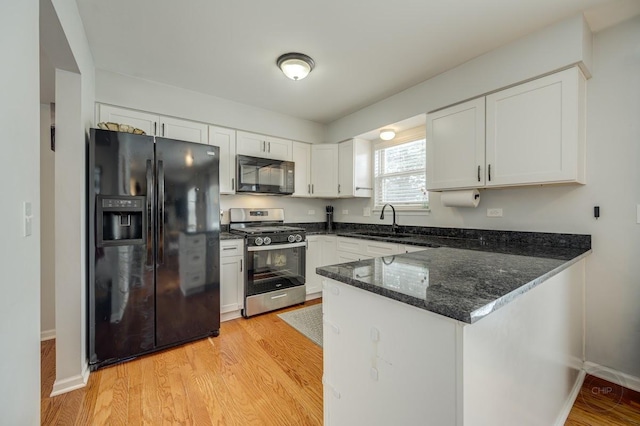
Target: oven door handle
x,y
277,246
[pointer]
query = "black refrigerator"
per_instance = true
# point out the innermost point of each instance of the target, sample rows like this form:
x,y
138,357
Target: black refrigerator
x,y
154,241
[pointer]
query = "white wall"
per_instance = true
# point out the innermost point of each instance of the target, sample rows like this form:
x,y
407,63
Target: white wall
x,y
144,95
47,225
613,183
544,51
75,96
19,255
295,209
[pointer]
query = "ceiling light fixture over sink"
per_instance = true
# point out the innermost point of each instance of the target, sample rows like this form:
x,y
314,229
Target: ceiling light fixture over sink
x,y
387,134
296,66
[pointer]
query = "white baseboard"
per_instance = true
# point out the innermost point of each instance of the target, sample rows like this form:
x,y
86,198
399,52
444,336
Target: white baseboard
x,y
614,376
568,405
228,316
313,296
47,335
71,383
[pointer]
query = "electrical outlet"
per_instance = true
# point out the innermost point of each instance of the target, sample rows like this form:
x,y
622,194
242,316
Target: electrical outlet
x,y
311,212
494,212
345,211
367,211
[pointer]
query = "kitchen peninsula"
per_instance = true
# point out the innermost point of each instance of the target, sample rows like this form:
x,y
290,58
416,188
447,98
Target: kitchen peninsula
x,y
461,333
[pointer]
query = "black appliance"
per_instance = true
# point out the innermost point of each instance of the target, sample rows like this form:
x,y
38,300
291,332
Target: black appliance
x,y
265,176
275,256
154,241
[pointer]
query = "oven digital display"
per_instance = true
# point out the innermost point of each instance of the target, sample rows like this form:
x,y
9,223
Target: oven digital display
x,y
259,213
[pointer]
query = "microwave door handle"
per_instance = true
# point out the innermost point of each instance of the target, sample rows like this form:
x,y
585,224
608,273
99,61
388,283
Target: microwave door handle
x,y
160,212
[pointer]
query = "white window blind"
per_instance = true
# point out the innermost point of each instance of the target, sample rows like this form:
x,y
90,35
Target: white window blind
x,y
400,174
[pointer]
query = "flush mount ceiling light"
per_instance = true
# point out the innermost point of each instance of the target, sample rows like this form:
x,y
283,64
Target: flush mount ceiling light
x,y
296,66
387,134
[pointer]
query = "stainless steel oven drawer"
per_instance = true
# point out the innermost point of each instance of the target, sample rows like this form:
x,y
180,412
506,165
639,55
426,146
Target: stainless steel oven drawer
x,y
273,300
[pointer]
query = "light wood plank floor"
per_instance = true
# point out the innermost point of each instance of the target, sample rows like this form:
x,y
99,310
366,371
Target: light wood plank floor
x,y
257,372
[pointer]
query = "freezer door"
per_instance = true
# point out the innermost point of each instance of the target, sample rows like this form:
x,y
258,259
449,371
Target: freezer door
x,y
188,235
121,253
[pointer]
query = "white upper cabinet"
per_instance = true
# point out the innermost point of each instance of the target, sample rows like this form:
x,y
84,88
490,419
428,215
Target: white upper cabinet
x,y
225,139
455,146
142,120
324,171
302,159
154,124
183,130
535,132
354,175
256,145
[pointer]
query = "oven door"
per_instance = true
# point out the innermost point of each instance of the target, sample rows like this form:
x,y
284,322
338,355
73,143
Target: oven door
x,y
276,267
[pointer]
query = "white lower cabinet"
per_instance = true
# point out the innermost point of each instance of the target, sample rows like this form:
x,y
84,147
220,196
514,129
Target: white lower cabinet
x,y
231,278
354,249
370,378
321,251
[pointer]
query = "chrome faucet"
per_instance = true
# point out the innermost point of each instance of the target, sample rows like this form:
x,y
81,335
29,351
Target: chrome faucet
x,y
394,226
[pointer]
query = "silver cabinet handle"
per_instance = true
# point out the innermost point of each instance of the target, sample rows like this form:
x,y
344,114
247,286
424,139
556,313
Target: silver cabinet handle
x,y
279,296
269,145
264,144
312,191
229,248
478,173
358,188
338,188
155,128
489,171
233,184
162,129
241,266
309,189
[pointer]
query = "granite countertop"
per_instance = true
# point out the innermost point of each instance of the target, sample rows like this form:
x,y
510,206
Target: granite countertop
x,y
461,279
230,236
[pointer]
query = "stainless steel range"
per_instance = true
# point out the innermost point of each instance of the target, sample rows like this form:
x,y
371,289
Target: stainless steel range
x,y
275,257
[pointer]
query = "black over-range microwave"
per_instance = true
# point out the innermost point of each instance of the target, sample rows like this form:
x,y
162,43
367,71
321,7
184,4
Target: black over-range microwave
x,y
264,175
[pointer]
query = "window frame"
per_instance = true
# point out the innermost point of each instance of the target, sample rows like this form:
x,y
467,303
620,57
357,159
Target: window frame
x,y
410,135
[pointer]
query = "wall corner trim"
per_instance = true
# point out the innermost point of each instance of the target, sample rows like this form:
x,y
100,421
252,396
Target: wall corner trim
x,y
568,405
71,383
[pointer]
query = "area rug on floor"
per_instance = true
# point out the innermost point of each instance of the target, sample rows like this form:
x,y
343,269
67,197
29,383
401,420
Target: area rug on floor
x,y
307,321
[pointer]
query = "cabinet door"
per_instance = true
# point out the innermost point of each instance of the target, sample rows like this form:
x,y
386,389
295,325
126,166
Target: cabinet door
x,y
329,250
279,149
535,131
354,169
184,130
324,171
314,260
225,139
231,284
302,159
345,257
141,120
251,144
345,169
455,146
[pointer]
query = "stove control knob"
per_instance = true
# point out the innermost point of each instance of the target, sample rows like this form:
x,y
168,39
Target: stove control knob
x,y
298,238
291,238
267,241
258,241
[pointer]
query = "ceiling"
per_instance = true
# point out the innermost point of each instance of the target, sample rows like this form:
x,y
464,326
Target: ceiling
x,y
364,51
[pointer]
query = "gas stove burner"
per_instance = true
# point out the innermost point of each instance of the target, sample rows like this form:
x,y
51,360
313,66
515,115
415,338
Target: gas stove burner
x,y
255,230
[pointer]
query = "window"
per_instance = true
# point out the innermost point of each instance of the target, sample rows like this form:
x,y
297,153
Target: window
x,y
400,173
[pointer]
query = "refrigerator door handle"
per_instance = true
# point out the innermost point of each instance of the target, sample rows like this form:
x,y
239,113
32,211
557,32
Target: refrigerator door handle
x,y
150,216
160,212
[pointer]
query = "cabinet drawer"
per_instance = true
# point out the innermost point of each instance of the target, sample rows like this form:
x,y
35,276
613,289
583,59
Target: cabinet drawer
x,y
350,245
381,249
231,248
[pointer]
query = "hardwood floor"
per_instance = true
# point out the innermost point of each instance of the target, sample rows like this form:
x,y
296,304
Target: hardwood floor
x,y
604,403
257,372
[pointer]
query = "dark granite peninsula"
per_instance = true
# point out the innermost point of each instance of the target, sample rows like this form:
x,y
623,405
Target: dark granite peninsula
x,y
464,333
